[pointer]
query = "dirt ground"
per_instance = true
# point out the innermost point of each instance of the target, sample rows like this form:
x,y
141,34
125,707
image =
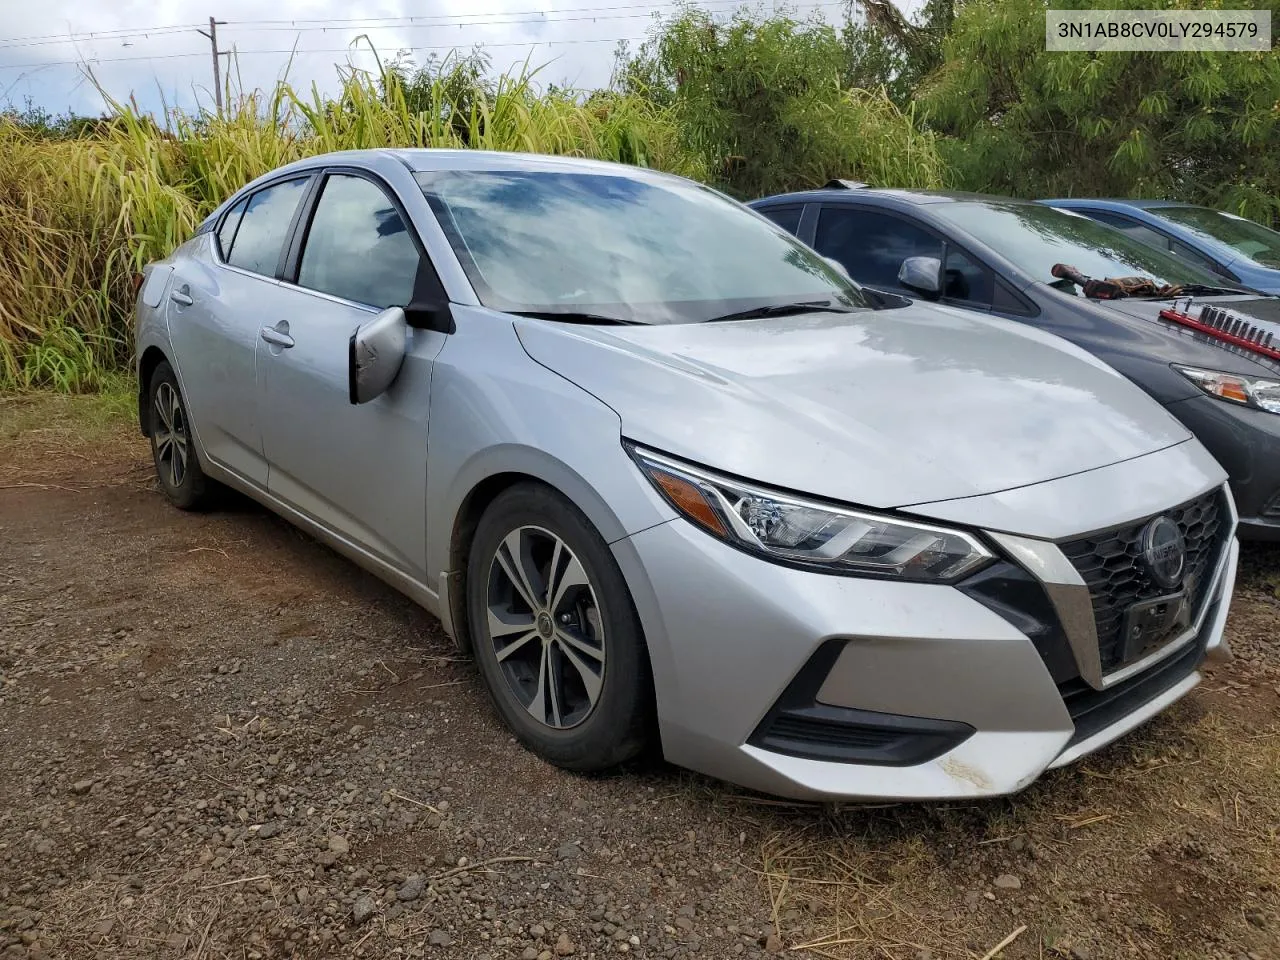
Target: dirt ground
x,y
219,739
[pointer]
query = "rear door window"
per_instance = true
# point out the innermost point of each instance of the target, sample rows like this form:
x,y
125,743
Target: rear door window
x,y
1132,227
227,232
788,218
264,227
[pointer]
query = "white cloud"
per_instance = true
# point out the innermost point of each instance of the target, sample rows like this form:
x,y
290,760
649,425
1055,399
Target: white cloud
x,y
572,40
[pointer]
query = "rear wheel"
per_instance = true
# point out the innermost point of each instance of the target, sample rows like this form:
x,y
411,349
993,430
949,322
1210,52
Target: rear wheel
x,y
555,634
172,444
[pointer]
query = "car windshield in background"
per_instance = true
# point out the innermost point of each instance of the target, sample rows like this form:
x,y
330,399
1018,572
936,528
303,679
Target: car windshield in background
x,y
1034,237
1251,239
638,249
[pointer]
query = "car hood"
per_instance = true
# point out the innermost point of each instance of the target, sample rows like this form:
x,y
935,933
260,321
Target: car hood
x,y
1263,312
879,408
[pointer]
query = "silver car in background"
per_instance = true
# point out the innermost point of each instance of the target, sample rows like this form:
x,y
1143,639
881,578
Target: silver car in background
x,y
673,479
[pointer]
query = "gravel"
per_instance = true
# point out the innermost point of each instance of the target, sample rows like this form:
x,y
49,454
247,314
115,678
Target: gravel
x,y
411,890
223,740
311,768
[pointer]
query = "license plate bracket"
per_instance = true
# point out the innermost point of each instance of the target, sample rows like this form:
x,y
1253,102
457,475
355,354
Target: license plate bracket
x,y
1149,625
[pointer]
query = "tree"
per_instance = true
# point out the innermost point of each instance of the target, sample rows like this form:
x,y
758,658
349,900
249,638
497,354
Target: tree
x,y
39,122
885,49
765,103
1019,120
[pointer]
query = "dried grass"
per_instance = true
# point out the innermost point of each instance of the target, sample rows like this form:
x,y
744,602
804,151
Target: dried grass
x,y
79,218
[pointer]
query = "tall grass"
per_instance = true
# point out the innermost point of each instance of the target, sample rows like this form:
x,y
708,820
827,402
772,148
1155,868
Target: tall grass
x,y
63,252
79,217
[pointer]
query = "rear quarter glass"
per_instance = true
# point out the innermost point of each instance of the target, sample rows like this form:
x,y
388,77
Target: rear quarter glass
x,y
153,288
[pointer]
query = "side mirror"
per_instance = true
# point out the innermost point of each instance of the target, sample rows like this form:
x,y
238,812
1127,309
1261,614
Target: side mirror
x,y
374,355
430,316
921,274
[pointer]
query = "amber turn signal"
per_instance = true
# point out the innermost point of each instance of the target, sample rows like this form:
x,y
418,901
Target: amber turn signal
x,y
689,500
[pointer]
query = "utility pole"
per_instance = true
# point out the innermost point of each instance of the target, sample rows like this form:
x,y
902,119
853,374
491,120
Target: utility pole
x,y
212,34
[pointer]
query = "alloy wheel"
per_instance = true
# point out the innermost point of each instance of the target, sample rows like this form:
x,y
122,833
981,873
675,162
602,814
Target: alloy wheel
x,y
170,435
545,627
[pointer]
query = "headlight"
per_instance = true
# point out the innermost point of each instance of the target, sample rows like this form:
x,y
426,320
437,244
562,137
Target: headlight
x,y
1249,391
790,529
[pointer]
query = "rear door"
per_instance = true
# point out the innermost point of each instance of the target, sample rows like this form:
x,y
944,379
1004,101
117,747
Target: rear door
x,y
360,471
218,300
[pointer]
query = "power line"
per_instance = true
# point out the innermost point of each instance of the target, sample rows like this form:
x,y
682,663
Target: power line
x,y
382,23
123,33
429,47
494,23
319,24
301,52
491,13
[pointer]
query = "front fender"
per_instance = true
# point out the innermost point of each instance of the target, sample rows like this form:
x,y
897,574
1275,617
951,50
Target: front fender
x,y
494,411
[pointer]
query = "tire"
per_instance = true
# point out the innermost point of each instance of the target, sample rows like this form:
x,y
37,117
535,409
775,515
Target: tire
x,y
596,710
172,444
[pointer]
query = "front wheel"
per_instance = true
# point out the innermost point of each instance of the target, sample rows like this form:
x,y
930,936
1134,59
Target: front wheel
x,y
555,633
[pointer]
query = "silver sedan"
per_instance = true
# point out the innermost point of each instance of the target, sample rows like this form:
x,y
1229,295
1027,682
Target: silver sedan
x,y
673,479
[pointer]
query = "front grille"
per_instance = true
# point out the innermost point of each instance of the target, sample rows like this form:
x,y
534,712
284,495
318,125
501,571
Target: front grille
x,y
1272,510
1111,565
1094,710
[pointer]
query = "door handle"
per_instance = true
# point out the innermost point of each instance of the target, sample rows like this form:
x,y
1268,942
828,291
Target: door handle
x,y
272,335
181,297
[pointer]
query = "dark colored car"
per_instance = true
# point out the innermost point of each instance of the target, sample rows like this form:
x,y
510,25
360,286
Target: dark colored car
x,y
1239,250
1210,355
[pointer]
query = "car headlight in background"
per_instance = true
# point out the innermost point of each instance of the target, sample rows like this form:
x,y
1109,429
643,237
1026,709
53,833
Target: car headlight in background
x,y
791,529
1248,391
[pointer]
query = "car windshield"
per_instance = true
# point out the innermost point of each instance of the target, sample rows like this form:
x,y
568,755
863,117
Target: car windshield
x,y
1034,237
638,248
1251,239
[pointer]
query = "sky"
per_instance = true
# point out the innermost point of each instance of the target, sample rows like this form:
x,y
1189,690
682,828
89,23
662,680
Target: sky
x,y
152,50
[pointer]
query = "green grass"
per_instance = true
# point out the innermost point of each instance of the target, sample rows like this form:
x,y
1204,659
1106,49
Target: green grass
x,y
110,410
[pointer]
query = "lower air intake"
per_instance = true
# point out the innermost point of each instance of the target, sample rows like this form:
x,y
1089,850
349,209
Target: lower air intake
x,y
799,726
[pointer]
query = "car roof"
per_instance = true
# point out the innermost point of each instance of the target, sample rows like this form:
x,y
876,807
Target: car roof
x,y
1116,203
914,197
425,159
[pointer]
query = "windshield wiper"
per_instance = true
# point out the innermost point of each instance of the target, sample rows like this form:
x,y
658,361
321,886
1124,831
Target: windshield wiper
x,y
573,316
782,310
1205,289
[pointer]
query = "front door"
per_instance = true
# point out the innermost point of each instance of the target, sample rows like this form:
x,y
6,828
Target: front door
x,y
360,471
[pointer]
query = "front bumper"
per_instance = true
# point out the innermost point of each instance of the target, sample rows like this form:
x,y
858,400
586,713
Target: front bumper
x,y
729,634
1246,442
